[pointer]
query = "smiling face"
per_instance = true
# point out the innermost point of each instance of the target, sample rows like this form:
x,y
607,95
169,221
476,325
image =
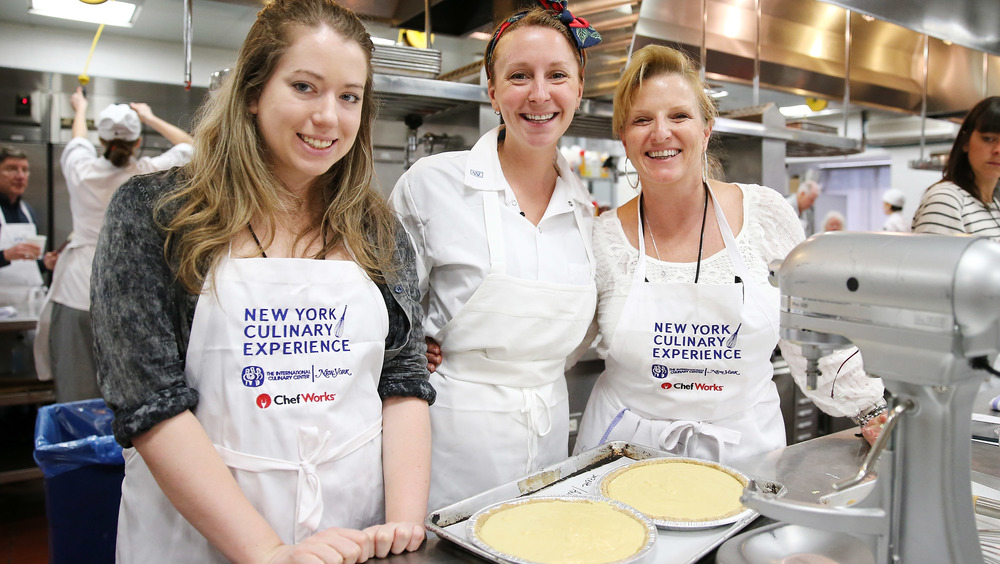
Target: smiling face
x,y
984,157
664,133
309,111
536,86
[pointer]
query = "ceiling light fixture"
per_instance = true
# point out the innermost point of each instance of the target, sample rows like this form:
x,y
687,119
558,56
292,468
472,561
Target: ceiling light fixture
x,y
792,112
716,92
118,13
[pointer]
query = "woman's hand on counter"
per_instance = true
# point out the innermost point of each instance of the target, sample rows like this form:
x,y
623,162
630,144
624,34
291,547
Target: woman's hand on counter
x,y
396,537
873,427
433,354
330,546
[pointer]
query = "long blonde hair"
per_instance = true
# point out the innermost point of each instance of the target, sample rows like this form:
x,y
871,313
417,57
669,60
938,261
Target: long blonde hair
x,y
229,181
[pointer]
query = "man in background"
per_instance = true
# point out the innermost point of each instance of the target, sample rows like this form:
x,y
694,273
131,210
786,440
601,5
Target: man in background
x,y
21,260
802,201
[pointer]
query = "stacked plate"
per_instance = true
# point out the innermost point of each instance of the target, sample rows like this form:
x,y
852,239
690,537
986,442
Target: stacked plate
x,y
406,61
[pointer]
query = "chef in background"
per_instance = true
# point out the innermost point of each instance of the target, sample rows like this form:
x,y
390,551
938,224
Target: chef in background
x,y
92,177
22,262
502,234
688,320
893,201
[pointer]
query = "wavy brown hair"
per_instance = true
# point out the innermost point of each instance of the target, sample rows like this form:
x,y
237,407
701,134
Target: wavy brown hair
x,y
229,181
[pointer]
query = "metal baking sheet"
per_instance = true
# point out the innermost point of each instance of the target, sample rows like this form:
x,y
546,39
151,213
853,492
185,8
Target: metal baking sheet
x,y
578,475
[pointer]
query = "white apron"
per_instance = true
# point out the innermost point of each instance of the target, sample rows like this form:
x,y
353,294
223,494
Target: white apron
x,y
689,367
502,407
286,356
20,278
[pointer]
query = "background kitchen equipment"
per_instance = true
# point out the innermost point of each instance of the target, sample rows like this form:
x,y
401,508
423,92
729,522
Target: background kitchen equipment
x,y
928,345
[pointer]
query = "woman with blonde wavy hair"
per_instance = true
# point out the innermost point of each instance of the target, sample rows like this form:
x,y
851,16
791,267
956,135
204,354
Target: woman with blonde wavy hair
x,y
687,317
257,322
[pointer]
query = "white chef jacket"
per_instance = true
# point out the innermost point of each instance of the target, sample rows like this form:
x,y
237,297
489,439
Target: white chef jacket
x,y
896,222
445,221
91,181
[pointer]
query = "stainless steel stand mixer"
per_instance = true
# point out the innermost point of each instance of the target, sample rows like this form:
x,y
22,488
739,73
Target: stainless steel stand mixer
x,y
923,310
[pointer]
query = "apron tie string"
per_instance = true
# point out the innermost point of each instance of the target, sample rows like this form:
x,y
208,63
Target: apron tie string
x,y
688,432
538,420
314,449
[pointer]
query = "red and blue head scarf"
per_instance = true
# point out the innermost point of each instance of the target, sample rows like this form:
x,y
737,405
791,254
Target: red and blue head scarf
x,y
583,33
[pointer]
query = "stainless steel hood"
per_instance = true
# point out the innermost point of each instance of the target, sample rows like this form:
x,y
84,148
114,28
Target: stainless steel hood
x,y
819,49
971,23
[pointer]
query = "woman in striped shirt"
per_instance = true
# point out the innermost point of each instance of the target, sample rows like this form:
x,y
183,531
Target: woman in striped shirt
x,y
965,200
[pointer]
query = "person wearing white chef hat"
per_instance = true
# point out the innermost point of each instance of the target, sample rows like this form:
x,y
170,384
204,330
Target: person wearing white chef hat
x,y
65,344
688,320
257,321
502,234
893,201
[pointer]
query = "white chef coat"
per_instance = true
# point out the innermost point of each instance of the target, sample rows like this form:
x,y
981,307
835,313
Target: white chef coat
x,y
896,222
445,221
501,387
91,181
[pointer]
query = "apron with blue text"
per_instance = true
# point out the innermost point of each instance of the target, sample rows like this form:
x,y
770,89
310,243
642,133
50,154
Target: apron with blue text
x,y
502,407
21,278
689,367
286,355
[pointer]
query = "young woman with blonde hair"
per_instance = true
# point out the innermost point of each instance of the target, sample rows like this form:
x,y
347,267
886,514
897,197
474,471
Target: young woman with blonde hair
x,y
258,331
688,319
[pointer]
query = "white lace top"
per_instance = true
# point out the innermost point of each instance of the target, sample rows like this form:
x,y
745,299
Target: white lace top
x,y
770,230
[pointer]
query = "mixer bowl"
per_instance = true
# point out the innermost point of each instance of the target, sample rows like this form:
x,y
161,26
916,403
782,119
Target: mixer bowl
x,y
794,544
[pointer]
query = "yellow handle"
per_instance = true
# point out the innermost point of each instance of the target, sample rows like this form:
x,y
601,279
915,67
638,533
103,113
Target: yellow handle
x,y
83,78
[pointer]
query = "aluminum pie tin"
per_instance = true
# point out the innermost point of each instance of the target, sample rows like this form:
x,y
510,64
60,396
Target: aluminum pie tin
x,y
482,514
682,525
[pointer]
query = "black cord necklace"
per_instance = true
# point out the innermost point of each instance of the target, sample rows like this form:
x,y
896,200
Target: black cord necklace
x,y
701,240
256,240
263,254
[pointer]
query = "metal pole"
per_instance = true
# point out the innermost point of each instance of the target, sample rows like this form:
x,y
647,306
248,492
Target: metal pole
x,y
847,67
427,24
704,39
923,101
187,43
756,59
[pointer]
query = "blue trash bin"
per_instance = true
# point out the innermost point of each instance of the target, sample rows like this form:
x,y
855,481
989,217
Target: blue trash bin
x,y
83,468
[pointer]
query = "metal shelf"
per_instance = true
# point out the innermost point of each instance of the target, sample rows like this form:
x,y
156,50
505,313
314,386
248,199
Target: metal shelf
x,y
399,96
402,95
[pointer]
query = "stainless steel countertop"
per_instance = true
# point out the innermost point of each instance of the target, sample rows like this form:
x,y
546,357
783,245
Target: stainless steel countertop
x,y
807,469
